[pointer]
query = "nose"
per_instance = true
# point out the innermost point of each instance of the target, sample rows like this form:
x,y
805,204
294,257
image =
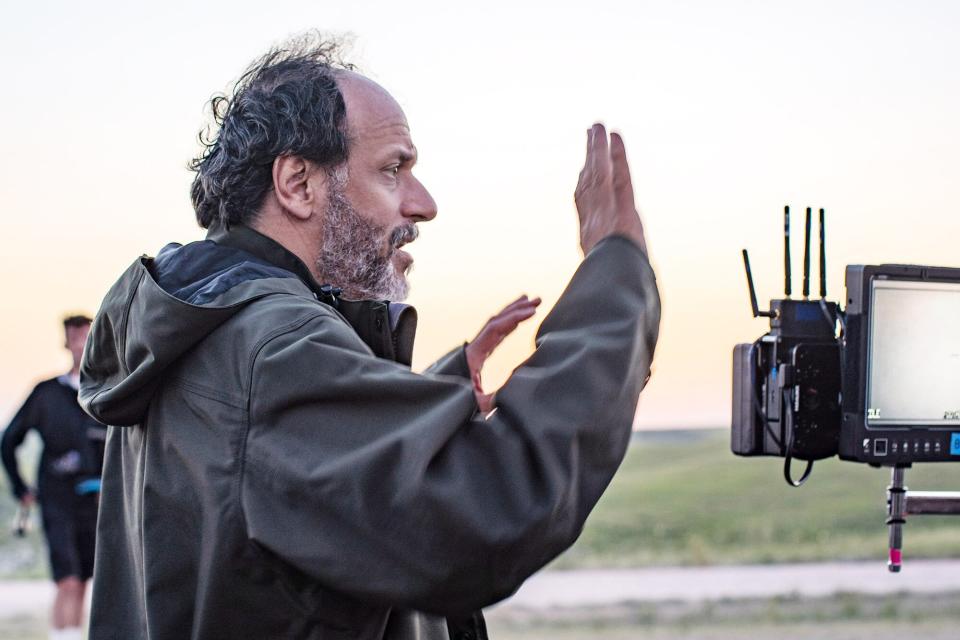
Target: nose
x,y
419,205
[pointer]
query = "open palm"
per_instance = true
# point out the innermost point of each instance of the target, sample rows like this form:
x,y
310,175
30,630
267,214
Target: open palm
x,y
491,335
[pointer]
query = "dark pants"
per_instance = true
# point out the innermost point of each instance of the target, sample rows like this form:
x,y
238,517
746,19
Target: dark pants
x,y
70,525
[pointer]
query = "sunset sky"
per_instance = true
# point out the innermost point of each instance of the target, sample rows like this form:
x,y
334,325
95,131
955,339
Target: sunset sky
x,y
729,111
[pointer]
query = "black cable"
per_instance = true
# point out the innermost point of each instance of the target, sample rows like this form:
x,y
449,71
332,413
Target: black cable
x,y
788,459
758,404
788,476
766,424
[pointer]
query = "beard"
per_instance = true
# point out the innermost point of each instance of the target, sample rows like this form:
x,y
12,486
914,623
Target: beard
x,y
352,252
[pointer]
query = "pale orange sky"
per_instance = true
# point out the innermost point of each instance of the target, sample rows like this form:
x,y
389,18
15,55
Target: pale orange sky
x,y
729,111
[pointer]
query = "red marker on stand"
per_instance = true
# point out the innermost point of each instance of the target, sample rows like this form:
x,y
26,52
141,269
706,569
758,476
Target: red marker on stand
x,y
896,560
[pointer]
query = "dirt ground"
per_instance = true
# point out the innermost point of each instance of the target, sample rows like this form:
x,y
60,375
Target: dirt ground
x,y
838,630
844,616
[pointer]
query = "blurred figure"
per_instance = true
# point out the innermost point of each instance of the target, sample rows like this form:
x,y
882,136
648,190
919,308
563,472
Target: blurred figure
x,y
68,479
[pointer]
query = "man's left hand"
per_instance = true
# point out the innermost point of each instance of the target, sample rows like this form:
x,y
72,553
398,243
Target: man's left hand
x,y
491,335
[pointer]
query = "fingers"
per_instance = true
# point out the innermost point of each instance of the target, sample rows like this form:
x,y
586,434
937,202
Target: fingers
x,y
499,327
604,194
597,162
587,154
622,183
599,155
522,308
513,305
520,302
600,144
503,324
491,335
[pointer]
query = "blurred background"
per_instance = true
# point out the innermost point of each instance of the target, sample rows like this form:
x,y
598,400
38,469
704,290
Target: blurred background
x,y
729,111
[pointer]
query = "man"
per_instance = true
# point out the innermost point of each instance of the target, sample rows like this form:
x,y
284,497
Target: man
x,y
277,471
67,479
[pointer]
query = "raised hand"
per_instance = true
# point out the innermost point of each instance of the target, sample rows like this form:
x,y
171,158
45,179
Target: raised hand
x,y
604,193
491,335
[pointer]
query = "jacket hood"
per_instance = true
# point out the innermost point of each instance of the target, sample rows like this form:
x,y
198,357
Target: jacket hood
x,y
158,310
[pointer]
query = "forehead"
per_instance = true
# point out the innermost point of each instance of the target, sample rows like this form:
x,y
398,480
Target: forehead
x,y
374,119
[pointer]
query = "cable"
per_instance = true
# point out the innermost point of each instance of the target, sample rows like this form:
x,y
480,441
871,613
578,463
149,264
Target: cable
x,y
788,458
789,477
758,404
766,424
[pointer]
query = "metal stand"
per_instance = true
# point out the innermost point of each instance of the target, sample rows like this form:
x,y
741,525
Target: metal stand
x,y
901,503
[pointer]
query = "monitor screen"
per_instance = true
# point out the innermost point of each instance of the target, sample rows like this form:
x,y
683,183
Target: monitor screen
x,y
913,372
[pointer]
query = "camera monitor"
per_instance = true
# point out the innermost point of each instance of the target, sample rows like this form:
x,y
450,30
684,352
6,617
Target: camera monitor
x,y
902,365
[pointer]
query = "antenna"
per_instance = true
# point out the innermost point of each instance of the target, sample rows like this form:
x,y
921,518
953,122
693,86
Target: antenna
x,y
786,251
753,292
806,258
823,256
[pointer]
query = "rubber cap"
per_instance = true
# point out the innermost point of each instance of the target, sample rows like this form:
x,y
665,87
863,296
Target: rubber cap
x,y
896,560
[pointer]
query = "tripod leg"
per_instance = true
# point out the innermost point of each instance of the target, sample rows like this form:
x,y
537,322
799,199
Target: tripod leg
x,y
896,499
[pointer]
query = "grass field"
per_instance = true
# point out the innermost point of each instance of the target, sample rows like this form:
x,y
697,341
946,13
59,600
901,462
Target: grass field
x,y
683,498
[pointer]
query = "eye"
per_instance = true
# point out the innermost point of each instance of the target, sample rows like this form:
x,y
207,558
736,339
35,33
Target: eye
x,y
392,170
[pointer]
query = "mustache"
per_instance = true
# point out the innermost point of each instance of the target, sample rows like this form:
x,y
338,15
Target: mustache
x,y
403,234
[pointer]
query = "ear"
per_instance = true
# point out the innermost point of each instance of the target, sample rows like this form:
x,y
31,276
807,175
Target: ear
x,y
299,186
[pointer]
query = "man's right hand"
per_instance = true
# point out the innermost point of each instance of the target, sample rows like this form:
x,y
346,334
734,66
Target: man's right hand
x,y
604,194
491,335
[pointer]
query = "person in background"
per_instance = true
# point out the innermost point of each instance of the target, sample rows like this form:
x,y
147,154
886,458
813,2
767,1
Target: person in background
x,y
68,479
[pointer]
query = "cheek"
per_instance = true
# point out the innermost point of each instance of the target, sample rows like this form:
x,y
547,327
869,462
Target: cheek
x,y
379,203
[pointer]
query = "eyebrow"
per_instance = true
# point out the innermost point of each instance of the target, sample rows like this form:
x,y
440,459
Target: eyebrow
x,y
404,153
406,156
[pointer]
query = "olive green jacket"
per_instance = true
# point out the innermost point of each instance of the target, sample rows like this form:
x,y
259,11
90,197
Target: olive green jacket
x,y
271,474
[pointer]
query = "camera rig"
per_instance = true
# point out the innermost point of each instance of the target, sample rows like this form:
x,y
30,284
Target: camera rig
x,y
877,382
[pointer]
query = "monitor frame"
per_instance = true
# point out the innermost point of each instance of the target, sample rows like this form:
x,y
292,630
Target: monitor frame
x,y
886,444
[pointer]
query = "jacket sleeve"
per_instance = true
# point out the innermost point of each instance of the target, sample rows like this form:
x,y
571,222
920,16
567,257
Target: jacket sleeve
x,y
453,363
26,419
384,484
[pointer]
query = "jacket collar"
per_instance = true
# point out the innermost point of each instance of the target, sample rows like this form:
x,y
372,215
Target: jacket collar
x,y
388,328
265,248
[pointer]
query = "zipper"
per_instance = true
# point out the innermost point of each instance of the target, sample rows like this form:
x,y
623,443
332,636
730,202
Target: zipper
x,y
330,295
